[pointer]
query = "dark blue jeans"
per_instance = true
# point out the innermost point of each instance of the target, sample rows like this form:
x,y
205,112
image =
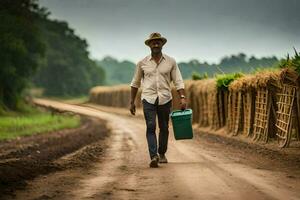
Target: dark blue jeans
x,y
162,112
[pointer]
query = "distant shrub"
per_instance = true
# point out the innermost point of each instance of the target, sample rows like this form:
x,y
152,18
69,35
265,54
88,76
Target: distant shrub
x,y
197,76
224,80
293,62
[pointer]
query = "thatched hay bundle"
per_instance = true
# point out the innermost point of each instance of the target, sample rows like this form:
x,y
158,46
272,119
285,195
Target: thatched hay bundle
x,y
206,91
225,97
241,105
242,84
118,96
122,96
95,91
213,109
290,77
188,87
97,94
202,102
266,78
234,112
248,112
192,98
222,99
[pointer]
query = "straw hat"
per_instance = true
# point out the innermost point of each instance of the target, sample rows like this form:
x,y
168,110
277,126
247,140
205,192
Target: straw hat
x,y
155,36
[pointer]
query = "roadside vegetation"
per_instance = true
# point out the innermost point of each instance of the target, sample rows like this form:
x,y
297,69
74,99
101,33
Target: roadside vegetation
x,y
33,121
224,80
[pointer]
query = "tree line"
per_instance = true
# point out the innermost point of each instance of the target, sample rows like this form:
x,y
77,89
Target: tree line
x,y
121,72
117,72
39,51
228,64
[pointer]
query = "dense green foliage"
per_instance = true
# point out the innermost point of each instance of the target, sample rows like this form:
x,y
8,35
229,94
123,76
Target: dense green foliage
x,y
117,72
121,72
67,70
224,80
32,43
20,51
197,76
293,62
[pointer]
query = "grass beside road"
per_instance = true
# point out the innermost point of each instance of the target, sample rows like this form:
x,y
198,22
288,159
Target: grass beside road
x,y
13,125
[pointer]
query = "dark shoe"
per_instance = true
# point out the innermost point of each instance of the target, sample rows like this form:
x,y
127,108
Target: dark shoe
x,y
154,162
163,159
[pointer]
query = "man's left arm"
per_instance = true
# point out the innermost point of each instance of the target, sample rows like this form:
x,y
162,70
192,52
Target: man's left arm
x,y
179,85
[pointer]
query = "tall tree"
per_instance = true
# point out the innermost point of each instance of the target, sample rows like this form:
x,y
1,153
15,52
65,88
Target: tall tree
x,y
67,69
21,48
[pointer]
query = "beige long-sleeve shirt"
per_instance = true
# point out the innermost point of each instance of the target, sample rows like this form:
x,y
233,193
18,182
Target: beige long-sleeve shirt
x,y
156,78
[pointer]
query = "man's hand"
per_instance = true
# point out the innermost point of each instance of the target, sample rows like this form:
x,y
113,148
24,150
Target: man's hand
x,y
132,108
183,103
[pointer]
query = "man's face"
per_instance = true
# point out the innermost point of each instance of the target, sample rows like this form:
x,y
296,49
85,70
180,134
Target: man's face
x,y
156,46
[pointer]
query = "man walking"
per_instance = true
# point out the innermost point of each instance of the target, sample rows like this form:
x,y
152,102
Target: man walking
x,y
156,72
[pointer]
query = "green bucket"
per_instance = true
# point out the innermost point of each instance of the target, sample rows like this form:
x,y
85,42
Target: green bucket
x,y
182,124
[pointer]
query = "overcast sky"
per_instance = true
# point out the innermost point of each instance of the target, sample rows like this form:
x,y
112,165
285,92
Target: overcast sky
x,y
196,29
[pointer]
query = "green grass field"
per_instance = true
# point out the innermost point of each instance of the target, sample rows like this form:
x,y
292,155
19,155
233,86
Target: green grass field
x,y
14,125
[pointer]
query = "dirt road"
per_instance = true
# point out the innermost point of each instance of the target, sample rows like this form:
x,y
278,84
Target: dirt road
x,y
197,169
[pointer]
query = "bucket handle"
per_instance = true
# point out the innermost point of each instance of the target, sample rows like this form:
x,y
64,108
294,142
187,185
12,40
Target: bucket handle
x,y
179,111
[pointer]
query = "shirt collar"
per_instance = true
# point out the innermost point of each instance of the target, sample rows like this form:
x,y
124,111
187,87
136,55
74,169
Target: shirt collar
x,y
150,57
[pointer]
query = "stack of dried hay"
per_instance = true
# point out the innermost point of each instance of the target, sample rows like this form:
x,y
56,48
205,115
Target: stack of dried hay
x,y
99,95
116,96
206,105
243,96
227,100
192,98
